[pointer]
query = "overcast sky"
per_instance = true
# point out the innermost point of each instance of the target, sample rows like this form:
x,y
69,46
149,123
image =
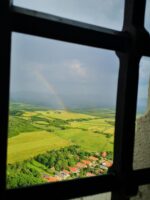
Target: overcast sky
x,y
70,72
108,13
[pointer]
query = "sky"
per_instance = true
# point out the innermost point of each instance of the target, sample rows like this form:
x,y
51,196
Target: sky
x,y
61,74
107,13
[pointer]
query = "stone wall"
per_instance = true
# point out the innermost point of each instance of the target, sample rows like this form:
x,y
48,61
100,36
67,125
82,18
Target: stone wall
x,y
142,142
142,151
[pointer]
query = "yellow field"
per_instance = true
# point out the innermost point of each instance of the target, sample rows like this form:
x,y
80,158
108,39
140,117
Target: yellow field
x,y
94,125
27,145
59,114
109,130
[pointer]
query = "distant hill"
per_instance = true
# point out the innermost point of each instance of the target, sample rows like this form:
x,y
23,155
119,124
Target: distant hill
x,y
60,101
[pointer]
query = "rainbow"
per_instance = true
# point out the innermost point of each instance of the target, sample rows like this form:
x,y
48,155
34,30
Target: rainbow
x,y
51,89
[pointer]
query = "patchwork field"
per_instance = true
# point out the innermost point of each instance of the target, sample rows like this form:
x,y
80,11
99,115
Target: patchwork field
x,y
35,130
38,131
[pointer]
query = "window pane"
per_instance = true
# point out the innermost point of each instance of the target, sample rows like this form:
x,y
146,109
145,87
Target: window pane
x,y
142,136
62,108
108,13
147,15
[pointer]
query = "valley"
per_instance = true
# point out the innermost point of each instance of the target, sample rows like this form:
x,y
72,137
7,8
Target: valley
x,y
47,145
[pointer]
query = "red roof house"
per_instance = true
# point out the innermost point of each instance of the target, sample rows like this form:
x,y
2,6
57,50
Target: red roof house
x,y
73,169
53,179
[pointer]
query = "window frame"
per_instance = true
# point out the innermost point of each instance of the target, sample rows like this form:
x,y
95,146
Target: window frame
x,y
130,45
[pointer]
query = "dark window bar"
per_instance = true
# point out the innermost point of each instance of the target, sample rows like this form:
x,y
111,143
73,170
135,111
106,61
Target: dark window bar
x,y
127,98
5,40
69,189
50,26
130,45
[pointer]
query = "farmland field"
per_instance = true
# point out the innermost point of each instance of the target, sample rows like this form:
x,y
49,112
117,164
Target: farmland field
x,y
29,144
37,134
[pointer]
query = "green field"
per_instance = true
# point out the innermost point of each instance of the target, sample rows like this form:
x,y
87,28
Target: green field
x,y
34,130
87,140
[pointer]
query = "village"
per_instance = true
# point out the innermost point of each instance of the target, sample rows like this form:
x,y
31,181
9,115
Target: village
x,y
91,166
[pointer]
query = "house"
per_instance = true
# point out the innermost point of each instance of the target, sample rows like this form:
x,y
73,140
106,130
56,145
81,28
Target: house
x,y
107,163
66,171
74,170
53,179
86,162
89,174
81,165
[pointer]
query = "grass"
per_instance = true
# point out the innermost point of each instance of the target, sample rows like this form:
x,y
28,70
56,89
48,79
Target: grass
x,y
30,144
88,140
